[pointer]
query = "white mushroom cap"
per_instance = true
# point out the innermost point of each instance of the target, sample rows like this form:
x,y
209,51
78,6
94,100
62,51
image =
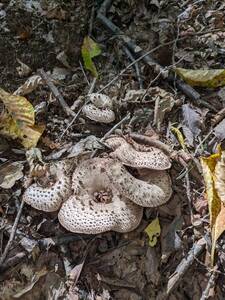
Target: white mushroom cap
x,y
100,109
51,197
81,213
136,155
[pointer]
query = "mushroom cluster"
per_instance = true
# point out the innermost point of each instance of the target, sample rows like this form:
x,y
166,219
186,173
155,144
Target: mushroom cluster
x,y
101,195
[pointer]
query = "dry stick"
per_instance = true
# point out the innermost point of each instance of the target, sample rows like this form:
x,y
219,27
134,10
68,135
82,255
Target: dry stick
x,y
55,92
80,110
218,117
185,264
126,118
129,54
12,234
210,285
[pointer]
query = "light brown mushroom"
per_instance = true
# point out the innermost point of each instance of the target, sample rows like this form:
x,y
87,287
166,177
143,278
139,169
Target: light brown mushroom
x,y
50,196
100,108
136,155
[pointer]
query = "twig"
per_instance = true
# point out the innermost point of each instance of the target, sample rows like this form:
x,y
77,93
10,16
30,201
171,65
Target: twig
x,y
188,190
82,69
91,19
185,264
136,67
126,118
218,117
210,286
55,92
12,234
80,110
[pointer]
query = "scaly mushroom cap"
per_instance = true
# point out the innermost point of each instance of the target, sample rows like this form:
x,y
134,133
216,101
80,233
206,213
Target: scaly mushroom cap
x,y
97,206
136,155
49,198
159,178
100,110
152,194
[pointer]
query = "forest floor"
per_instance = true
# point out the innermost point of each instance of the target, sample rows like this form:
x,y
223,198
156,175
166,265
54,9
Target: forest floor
x,y
39,258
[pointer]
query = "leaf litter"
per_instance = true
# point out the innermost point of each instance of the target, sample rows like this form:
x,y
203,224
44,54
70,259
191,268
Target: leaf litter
x,y
187,123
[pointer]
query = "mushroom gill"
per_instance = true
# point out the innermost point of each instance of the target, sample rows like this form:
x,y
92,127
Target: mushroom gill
x,y
136,155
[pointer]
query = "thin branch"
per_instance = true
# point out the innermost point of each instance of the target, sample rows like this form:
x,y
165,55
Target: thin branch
x,y
55,92
12,234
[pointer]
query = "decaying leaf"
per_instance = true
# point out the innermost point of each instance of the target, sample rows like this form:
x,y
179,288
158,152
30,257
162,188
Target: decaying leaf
x,y
203,78
219,130
214,177
10,173
164,102
18,121
89,50
191,123
23,69
153,231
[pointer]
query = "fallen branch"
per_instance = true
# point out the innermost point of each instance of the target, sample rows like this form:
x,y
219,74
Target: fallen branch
x,y
185,264
55,92
12,234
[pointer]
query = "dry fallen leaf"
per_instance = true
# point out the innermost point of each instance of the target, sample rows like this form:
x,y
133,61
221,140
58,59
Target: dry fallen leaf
x,y
153,231
10,173
179,136
204,78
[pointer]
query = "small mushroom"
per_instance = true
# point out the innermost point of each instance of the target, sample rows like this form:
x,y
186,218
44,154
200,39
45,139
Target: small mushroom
x,y
136,155
100,108
50,196
97,205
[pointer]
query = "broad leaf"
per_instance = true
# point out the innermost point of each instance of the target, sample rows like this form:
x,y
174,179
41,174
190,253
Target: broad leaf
x,y
204,78
89,50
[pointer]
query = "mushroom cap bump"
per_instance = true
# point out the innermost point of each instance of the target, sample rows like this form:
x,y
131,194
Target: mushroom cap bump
x,y
100,108
49,198
81,213
140,192
130,154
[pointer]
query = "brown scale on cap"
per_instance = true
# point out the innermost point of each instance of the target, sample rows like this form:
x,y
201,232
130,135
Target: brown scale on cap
x,y
136,155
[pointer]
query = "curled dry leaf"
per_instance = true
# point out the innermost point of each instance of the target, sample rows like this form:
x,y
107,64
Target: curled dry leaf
x,y
203,78
9,173
29,85
18,120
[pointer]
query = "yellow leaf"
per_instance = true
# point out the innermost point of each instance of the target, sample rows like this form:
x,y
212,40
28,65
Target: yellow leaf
x,y
18,121
205,78
153,231
214,177
20,109
179,136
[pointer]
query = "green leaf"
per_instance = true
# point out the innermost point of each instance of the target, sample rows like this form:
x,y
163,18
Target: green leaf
x,y
89,50
153,231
